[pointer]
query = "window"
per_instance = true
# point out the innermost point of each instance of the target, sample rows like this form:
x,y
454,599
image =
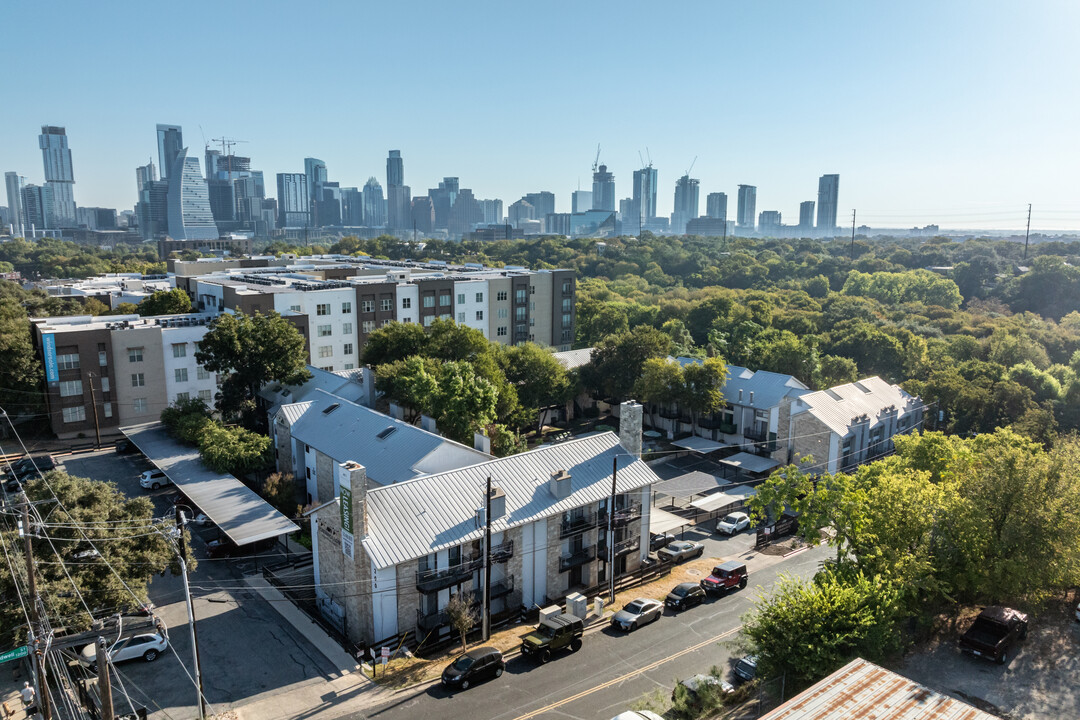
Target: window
x,y
520,329
532,322
346,308
532,306
74,414
204,395
501,296
532,289
566,287
479,314
479,297
521,296
202,373
406,303
567,319
384,323
325,330
428,320
139,405
520,314
183,397
327,368
179,350
326,351
180,374
102,358
429,301
135,354
407,319
349,366
504,312
322,309
295,308
367,306
137,380
68,362
105,385
461,317
501,332
461,298
387,304
108,409
445,300
368,326
566,305
445,316
70,388
348,348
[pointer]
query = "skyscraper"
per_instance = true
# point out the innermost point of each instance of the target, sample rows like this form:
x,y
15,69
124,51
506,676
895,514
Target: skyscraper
x,y
716,205
806,217
145,174
443,198
315,172
644,208
293,200
59,175
374,204
603,189
395,169
14,198
423,214
493,211
769,222
466,213
398,194
170,141
352,207
519,211
190,217
543,203
828,191
580,201
747,207
37,202
686,203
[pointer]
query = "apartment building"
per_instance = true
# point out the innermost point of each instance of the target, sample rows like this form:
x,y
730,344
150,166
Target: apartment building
x,y
104,372
111,289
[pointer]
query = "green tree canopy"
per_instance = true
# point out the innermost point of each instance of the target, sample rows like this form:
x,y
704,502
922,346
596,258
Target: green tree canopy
x,y
617,362
166,302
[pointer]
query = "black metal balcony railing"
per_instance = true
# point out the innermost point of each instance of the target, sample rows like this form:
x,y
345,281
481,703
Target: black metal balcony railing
x,y
627,546
574,524
502,587
578,557
502,553
430,621
728,428
756,434
710,422
434,580
623,515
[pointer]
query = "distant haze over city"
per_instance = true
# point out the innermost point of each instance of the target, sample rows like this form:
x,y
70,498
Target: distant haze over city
x,y
925,110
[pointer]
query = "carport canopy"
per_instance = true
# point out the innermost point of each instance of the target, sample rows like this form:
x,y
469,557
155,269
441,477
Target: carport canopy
x,y
698,444
716,501
661,521
230,504
748,462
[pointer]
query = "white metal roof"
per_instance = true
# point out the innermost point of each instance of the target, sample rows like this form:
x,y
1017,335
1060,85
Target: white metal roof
x,y
769,388
734,494
839,407
748,462
346,386
571,359
698,444
861,689
412,519
230,504
661,521
351,432
292,412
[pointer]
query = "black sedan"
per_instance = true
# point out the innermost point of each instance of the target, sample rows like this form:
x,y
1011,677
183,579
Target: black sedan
x,y
684,596
473,666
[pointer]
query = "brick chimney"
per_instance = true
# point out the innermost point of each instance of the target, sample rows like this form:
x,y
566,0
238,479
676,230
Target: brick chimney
x,y
630,415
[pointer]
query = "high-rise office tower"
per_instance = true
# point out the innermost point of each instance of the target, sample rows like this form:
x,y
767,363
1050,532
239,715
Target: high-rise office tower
x,y
15,206
806,216
213,157
603,189
493,211
521,210
581,201
352,207
686,203
828,191
747,207
374,204
59,175
395,169
769,222
543,203
716,205
145,174
37,202
465,214
398,194
190,217
644,209
293,200
315,171
170,141
423,214
443,198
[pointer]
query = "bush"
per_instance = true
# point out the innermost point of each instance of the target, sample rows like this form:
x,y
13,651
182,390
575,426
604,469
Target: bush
x,y
186,420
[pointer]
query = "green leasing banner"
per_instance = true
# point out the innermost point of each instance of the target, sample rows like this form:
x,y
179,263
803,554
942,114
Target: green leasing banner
x,y
19,652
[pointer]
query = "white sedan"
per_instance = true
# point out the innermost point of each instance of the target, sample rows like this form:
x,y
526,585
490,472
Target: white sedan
x,y
637,613
148,647
733,523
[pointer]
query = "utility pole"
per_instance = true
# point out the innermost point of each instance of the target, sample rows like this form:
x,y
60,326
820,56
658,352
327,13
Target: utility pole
x,y
42,688
487,561
190,611
851,252
93,402
611,532
1027,234
104,680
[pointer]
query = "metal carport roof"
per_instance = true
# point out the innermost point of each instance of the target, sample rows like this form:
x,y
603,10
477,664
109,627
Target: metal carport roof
x,y
230,504
734,494
748,462
661,521
698,444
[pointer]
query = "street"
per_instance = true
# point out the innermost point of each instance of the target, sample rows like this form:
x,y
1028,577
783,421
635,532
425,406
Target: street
x,y
612,670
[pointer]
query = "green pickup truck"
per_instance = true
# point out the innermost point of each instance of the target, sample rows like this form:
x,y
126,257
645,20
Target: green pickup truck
x,y
552,635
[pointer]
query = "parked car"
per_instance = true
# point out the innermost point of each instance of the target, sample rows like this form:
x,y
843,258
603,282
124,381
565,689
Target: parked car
x,y
153,479
552,635
746,668
224,547
125,447
995,633
725,576
636,613
28,467
684,596
659,540
473,666
696,683
733,523
637,715
148,647
679,551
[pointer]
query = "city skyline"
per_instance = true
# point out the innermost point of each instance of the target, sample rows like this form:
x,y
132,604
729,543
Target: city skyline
x,y
902,114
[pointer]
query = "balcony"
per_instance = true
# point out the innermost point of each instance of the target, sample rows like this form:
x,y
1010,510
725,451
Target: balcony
x,y
623,515
757,433
578,557
574,524
728,428
627,546
431,621
502,587
710,422
668,413
502,553
434,580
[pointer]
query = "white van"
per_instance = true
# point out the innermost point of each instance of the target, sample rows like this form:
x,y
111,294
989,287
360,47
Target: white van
x,y
153,479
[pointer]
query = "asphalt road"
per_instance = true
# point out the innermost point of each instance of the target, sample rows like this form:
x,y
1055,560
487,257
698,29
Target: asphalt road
x,y
612,670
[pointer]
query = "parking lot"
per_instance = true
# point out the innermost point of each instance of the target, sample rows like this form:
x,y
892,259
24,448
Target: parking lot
x,y
247,650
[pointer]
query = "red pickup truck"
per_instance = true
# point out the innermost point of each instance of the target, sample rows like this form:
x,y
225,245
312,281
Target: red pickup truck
x,y
724,577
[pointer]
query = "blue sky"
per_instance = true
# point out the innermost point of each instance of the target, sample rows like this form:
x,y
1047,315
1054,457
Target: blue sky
x,y
953,112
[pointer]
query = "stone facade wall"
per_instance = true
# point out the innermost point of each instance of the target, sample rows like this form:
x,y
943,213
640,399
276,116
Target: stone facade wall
x,y
324,477
283,446
408,597
810,436
514,566
556,581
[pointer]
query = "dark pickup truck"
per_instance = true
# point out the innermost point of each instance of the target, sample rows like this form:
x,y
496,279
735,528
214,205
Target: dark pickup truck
x,y
994,633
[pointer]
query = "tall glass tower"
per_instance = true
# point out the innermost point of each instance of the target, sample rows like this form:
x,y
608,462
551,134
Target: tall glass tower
x,y
747,207
58,174
603,189
15,207
170,141
189,212
686,203
398,194
828,190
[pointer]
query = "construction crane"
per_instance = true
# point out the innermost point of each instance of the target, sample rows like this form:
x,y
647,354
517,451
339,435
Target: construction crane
x,y
691,166
596,162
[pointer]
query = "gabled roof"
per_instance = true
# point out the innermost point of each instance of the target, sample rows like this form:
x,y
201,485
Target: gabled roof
x,y
292,412
415,518
769,388
348,387
841,406
391,450
572,359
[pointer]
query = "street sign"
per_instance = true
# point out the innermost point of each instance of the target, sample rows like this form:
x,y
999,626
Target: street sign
x,y
15,654
385,655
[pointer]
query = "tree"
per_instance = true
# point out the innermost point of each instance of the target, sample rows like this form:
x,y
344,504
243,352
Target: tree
x,y
462,613
834,370
702,385
250,351
617,362
661,383
505,441
166,302
541,381
394,341
410,383
20,371
279,489
463,402
233,450
185,420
